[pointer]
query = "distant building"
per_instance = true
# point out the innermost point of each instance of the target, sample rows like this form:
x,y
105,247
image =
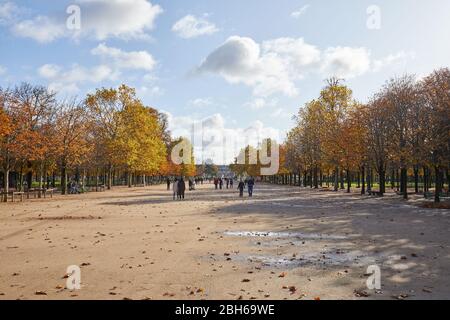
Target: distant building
x,y
225,171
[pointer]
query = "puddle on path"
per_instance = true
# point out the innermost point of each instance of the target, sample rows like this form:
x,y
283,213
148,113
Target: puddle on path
x,y
331,258
297,235
304,256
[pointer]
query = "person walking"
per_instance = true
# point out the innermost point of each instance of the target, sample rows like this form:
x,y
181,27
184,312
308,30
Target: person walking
x,y
175,189
181,188
241,186
216,182
228,182
231,183
168,183
250,185
221,183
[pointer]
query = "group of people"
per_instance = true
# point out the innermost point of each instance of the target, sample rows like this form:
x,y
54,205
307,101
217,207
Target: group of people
x,y
249,183
220,182
178,188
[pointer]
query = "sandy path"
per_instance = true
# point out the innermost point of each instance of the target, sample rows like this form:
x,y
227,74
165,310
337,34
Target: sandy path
x,y
139,244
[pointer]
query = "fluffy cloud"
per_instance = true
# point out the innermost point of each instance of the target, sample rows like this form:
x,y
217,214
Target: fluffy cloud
x,y
134,60
201,102
113,62
213,139
275,65
259,103
298,13
346,62
67,81
192,27
2,70
242,60
42,29
8,12
118,18
100,19
393,59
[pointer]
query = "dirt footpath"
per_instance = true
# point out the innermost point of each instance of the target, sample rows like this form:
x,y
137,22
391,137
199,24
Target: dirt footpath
x,y
285,243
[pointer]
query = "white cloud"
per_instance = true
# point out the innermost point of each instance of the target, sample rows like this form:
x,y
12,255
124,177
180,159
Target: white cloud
x,y
118,18
114,62
8,12
280,113
241,60
41,28
150,91
68,81
392,59
192,27
201,102
298,13
259,103
214,139
2,70
134,60
100,19
276,65
346,62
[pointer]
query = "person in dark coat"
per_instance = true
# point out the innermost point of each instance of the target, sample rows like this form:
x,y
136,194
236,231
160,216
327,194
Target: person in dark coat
x,y
168,183
250,185
181,188
241,186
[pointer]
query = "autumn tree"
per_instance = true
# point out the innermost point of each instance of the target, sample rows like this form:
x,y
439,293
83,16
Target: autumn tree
x,y
436,91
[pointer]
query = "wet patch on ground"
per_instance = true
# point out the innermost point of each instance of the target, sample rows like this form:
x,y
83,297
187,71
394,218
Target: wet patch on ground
x,y
284,234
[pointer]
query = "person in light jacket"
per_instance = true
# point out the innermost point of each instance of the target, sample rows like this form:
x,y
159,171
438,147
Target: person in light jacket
x,y
175,189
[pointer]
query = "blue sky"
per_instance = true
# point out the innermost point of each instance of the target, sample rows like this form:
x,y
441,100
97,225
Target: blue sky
x,y
238,66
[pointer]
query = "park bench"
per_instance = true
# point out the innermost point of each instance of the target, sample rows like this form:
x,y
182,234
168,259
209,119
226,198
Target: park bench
x,y
17,193
13,195
49,191
374,193
428,195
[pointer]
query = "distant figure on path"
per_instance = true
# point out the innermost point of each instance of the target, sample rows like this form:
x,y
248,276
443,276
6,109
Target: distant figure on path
x,y
241,187
250,184
175,189
216,182
221,183
181,189
168,183
228,182
231,183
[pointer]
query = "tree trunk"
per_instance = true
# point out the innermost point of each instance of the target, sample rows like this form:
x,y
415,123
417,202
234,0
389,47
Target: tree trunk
x,y
382,174
110,176
41,176
316,178
438,185
5,184
63,178
416,179
130,180
369,180
363,180
349,183
404,183
336,178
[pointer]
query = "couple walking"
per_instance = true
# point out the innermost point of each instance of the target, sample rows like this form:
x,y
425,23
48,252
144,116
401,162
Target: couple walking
x,y
179,188
250,184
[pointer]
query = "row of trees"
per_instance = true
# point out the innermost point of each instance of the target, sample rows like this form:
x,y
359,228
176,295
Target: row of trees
x,y
109,136
402,132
